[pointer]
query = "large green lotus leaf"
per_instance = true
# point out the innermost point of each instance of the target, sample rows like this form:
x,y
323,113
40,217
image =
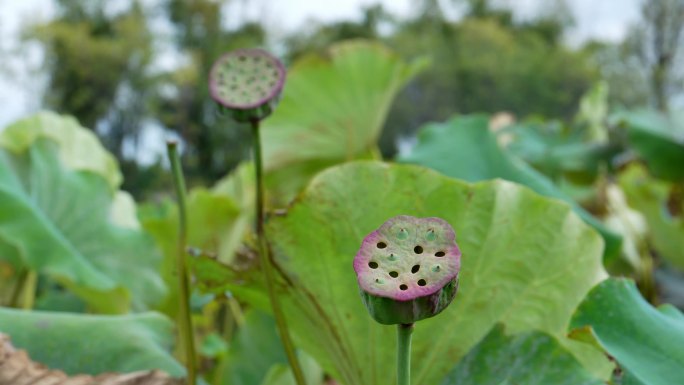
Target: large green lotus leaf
x,y
527,262
79,148
464,148
93,344
658,139
531,358
644,340
59,223
650,196
333,107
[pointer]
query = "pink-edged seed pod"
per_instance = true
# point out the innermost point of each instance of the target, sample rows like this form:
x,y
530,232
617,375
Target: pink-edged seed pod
x,y
407,269
247,82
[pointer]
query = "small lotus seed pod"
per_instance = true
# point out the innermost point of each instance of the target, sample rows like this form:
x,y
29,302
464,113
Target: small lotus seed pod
x,y
407,269
247,82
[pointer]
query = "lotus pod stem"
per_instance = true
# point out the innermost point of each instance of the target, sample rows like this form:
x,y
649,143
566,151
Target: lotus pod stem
x,y
407,270
248,82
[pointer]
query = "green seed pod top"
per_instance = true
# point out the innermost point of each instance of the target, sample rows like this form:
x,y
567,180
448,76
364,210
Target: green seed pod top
x,y
247,82
408,269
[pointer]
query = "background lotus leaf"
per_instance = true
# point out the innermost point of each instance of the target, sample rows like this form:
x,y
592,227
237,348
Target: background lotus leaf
x,y
77,343
645,341
658,139
464,148
57,221
530,358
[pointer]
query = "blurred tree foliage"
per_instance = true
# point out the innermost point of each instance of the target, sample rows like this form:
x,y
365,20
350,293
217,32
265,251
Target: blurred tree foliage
x,y
103,68
643,69
655,42
97,62
486,62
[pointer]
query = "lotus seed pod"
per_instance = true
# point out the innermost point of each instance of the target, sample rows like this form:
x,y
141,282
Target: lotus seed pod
x,y
407,270
248,83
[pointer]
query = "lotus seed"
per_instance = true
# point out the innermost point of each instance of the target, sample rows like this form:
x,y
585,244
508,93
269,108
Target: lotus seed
x,y
431,236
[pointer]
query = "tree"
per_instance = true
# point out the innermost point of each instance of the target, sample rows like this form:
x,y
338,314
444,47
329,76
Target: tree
x,y
97,62
656,42
488,63
325,35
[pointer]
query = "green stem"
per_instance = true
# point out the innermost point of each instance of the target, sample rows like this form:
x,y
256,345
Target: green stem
x,y
18,288
29,290
404,354
184,316
236,311
265,260
24,291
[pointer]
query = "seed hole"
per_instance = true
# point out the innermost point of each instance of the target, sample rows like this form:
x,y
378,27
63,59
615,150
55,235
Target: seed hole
x,y
381,245
421,282
403,287
373,265
242,58
415,269
393,274
439,254
418,249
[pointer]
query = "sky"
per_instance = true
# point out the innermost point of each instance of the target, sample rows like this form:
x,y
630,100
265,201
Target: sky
x,y
21,81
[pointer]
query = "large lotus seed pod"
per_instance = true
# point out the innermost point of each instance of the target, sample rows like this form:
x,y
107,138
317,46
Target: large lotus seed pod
x,y
247,82
407,269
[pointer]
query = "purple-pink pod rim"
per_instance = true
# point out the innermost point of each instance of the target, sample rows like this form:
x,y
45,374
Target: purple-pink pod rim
x,y
273,92
407,258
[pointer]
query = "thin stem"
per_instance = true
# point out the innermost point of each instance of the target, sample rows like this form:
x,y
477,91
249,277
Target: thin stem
x,y
404,354
236,311
184,316
265,260
24,291
18,288
29,290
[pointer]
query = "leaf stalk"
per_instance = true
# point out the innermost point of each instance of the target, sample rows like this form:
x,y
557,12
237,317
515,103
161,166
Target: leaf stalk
x,y
184,317
265,260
